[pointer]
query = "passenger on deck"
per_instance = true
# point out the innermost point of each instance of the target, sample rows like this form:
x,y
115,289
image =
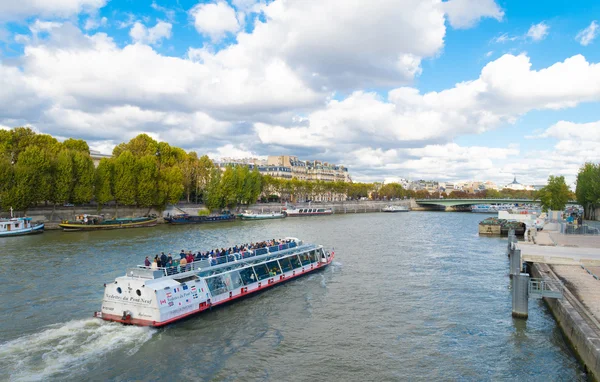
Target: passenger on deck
x,y
163,258
154,265
182,265
182,254
147,262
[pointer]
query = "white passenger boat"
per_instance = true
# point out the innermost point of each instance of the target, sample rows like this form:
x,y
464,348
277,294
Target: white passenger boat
x,y
250,215
491,208
311,211
157,297
19,226
395,209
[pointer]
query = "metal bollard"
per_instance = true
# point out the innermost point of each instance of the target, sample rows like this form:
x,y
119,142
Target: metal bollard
x,y
520,295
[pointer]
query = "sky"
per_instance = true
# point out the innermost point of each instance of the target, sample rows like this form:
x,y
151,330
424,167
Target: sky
x,y
420,89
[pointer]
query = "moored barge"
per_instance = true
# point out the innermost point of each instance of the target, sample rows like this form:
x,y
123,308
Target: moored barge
x,y
191,219
98,222
19,227
157,297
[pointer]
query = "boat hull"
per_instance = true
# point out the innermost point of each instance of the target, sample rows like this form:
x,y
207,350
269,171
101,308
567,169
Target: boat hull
x,y
26,231
296,214
200,219
97,227
261,216
240,293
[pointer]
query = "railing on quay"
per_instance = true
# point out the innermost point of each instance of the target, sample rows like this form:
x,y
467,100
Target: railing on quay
x,y
578,229
215,261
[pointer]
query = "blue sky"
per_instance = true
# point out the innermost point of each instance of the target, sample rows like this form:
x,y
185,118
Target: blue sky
x,y
456,90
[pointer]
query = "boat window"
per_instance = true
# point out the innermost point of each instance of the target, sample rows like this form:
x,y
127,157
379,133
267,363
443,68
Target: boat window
x,y
295,262
322,253
261,271
232,280
313,256
286,265
320,210
304,258
247,276
216,285
274,269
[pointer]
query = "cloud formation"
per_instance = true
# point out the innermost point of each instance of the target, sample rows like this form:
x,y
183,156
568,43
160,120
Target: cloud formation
x,y
538,32
587,35
139,32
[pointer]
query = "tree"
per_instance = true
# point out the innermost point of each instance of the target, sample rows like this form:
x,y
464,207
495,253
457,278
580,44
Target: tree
x,y
125,179
83,177
31,179
229,187
213,198
63,178
77,145
189,170
6,181
139,146
587,191
203,176
103,182
555,195
147,172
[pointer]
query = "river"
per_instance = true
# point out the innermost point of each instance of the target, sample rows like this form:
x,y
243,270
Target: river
x,y
410,296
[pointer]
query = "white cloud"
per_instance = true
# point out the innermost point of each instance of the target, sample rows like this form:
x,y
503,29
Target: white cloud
x,y
587,35
21,9
466,13
566,130
215,19
154,35
538,32
93,22
504,38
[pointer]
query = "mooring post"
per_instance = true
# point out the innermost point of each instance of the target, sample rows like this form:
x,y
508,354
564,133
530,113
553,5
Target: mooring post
x,y
515,262
520,295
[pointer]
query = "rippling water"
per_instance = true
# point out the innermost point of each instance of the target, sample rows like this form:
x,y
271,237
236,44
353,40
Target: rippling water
x,y
410,296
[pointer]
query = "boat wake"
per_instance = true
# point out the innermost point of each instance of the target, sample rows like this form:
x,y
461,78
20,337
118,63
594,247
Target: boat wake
x,y
67,347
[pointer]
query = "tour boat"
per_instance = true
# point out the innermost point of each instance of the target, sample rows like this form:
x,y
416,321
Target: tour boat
x,y
307,211
19,226
191,219
157,297
395,209
251,215
97,222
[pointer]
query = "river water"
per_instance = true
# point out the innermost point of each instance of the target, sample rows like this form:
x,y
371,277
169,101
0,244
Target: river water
x,y
410,296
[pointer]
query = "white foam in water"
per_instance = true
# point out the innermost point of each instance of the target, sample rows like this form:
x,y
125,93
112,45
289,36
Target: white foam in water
x,y
67,346
323,282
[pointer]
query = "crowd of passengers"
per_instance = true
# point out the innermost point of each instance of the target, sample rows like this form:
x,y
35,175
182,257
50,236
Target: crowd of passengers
x,y
183,262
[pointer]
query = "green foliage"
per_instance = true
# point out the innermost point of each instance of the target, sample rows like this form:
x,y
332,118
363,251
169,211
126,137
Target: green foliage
x,y
6,181
203,212
77,145
63,177
213,198
555,195
588,189
139,146
147,173
103,183
170,186
83,177
229,187
125,179
32,179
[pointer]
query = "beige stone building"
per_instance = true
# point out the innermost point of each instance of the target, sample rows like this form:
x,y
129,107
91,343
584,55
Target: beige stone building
x,y
311,170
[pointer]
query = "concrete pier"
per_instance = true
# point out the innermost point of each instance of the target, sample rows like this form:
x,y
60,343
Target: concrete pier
x,y
574,261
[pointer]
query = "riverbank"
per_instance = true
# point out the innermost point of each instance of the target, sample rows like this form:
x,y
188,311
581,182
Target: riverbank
x,y
52,217
573,260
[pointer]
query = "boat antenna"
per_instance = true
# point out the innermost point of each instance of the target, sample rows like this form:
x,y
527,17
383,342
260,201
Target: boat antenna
x,y
11,212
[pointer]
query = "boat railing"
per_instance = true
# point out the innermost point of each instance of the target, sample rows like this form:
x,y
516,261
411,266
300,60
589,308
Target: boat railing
x,y
207,263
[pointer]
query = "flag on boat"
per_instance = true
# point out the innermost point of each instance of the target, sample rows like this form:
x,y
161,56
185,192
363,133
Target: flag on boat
x,y
185,287
163,302
168,295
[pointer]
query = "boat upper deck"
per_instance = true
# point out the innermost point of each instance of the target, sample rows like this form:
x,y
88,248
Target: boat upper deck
x,y
205,268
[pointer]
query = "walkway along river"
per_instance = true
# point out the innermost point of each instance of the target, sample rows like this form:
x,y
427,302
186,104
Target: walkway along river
x,y
409,297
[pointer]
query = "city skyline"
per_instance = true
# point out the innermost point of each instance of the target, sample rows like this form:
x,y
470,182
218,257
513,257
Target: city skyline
x,y
452,90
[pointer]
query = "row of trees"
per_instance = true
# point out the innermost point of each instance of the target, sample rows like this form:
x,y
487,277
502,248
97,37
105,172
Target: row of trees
x,y
37,168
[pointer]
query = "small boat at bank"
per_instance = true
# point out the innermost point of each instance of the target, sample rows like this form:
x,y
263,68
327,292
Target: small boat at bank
x,y
500,227
157,297
395,209
251,215
98,222
19,227
307,211
191,219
